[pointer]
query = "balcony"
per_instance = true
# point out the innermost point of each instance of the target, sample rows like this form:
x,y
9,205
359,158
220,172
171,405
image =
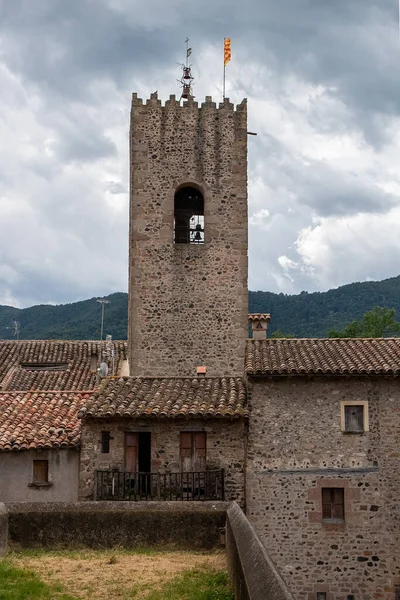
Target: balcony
x,y
191,486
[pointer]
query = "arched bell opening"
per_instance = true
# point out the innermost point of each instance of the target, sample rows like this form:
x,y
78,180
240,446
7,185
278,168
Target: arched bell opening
x,y
189,216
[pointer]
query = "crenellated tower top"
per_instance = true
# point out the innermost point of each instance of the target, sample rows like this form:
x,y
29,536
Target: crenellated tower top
x,y
188,237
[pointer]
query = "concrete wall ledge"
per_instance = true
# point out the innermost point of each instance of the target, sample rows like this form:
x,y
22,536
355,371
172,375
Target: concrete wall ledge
x,y
177,525
253,574
105,506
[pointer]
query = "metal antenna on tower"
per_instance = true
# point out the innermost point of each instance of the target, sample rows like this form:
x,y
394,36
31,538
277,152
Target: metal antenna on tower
x,y
186,80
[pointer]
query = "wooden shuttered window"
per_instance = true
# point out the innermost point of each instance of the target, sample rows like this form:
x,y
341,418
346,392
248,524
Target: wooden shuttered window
x,y
333,503
193,451
354,418
40,471
131,452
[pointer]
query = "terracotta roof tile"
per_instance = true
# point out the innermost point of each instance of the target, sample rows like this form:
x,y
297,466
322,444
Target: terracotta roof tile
x,y
259,317
75,355
40,420
168,397
341,356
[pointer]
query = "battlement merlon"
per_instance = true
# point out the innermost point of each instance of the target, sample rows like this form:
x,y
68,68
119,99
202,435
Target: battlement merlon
x,y
209,125
154,102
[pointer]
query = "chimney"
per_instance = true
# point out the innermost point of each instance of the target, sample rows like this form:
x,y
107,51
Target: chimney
x,y
201,371
259,323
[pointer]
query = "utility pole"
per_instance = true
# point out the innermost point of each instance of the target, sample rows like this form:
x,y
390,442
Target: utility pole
x,y
103,302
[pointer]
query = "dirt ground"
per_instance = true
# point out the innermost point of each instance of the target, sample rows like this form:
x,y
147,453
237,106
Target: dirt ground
x,y
95,575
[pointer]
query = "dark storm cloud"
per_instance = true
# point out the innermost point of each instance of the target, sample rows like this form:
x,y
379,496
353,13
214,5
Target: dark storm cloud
x,y
348,45
65,45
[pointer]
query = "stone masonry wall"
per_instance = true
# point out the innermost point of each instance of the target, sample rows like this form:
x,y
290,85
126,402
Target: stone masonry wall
x,y
225,442
295,448
188,304
77,525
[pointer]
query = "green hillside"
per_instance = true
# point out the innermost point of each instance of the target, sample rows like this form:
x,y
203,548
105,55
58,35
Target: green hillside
x,y
304,315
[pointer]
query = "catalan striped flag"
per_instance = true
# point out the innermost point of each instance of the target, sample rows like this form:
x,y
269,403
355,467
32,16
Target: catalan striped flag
x,y
227,51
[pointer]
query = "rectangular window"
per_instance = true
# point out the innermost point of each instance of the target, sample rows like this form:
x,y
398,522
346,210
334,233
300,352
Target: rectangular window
x,y
40,471
193,451
397,592
333,504
354,416
105,442
321,595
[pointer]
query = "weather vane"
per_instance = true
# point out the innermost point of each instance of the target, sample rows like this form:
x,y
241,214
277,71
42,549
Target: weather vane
x,y
186,80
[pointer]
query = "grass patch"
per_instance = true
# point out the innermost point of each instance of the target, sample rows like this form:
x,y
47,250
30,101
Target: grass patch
x,y
19,584
143,574
196,584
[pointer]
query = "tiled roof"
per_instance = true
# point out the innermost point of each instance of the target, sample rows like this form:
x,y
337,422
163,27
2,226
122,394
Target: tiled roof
x,y
259,317
353,356
36,420
75,356
168,397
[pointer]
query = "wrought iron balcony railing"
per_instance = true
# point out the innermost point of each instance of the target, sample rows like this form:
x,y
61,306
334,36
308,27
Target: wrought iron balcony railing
x,y
121,485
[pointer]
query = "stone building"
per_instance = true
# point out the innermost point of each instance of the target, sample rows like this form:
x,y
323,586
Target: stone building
x,y
169,438
43,385
39,446
322,469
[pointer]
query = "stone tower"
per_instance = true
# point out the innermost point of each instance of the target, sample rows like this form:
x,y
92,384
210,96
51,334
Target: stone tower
x,y
188,238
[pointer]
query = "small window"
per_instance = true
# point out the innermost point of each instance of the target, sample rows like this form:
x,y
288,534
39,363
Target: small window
x,y
40,471
105,442
189,216
333,504
321,596
354,416
397,591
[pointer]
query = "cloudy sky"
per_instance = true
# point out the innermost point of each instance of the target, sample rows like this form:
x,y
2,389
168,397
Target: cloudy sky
x,y
322,79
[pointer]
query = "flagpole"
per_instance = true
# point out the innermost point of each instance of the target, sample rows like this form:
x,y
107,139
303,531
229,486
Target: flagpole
x,y
223,86
227,58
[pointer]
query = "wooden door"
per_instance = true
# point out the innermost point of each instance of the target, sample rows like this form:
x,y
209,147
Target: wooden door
x,y
193,451
199,451
131,452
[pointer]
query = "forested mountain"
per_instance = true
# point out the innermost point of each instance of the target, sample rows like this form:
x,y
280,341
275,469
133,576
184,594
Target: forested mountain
x,y
303,315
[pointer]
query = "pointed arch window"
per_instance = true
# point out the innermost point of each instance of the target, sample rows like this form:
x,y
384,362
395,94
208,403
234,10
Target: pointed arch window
x,y
188,216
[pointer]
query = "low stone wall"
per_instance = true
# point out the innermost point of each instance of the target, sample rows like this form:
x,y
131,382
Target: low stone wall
x,y
3,529
110,524
252,573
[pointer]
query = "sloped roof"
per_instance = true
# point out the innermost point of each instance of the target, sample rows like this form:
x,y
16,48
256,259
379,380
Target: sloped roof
x,y
17,357
340,356
40,420
168,397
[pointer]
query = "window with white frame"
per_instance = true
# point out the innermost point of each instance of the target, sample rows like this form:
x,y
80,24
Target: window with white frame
x,y
354,416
